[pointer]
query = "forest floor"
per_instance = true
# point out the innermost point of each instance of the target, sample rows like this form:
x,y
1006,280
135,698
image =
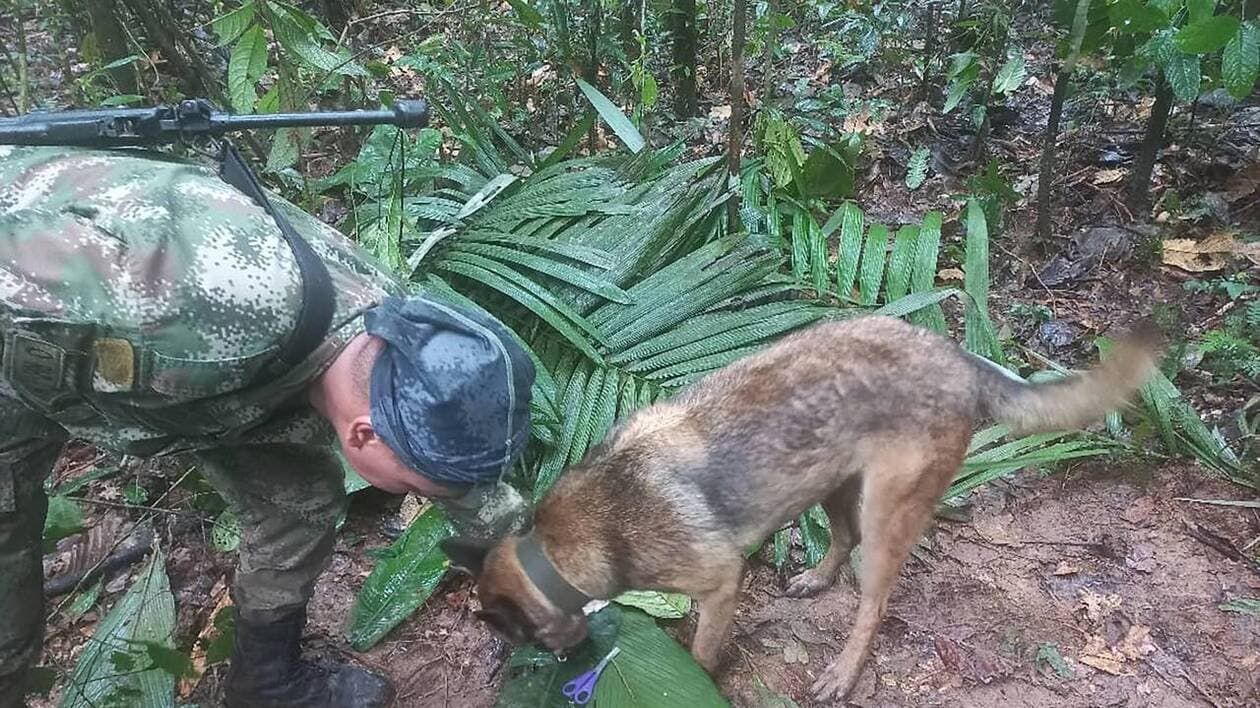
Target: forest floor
x,y
1089,587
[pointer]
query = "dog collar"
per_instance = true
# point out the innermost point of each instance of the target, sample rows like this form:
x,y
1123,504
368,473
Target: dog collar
x,y
543,574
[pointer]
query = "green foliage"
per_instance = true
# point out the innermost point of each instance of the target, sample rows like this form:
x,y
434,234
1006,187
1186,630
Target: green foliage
x,y
225,534
118,666
658,604
404,577
1233,349
916,171
651,670
64,519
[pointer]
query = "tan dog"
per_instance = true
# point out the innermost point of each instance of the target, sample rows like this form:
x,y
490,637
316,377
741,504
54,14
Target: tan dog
x,y
871,407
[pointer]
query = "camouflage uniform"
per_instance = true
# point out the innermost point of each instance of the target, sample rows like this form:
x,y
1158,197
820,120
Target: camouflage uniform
x,y
140,299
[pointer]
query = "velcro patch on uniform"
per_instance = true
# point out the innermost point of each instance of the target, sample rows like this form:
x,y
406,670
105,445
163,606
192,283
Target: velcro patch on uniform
x,y
37,367
115,365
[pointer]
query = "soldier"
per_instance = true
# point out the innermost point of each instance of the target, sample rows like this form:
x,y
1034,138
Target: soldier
x,y
143,303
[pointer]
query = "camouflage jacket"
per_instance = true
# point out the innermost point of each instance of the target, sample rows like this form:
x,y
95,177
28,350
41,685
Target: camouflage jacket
x,y
140,295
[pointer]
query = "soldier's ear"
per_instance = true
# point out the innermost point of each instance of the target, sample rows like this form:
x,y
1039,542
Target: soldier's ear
x,y
466,555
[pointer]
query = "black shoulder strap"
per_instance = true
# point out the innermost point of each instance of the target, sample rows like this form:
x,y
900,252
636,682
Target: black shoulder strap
x,y
316,311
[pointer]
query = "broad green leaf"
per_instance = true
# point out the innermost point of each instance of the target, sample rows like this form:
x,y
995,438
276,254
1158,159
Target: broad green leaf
x,y
665,605
85,600
225,534
1137,17
64,518
1199,9
924,275
873,257
1184,74
901,262
284,149
526,13
230,26
404,577
146,613
651,670
850,248
300,34
1206,36
1011,76
815,534
828,171
612,115
963,71
1240,63
245,67
917,169
172,661
124,99
782,545
980,338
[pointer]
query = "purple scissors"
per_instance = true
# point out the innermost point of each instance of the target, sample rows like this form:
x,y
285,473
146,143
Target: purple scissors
x,y
581,689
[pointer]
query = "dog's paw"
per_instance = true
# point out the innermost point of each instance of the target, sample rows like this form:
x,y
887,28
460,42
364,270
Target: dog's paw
x,y
808,584
826,689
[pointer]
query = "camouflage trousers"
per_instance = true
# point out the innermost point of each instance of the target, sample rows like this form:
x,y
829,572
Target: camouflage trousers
x,y
287,497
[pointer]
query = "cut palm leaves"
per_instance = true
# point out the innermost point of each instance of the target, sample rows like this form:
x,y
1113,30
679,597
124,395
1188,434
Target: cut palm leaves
x,y
404,577
117,667
612,115
651,670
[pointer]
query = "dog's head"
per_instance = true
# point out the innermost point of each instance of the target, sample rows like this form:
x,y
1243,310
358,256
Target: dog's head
x,y
510,602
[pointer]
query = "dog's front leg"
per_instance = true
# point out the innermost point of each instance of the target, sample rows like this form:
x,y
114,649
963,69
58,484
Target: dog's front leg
x,y
717,612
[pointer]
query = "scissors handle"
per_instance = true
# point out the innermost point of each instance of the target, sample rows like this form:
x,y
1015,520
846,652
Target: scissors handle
x,y
581,688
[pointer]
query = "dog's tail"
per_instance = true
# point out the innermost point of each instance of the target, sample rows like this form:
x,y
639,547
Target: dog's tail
x,y
1078,399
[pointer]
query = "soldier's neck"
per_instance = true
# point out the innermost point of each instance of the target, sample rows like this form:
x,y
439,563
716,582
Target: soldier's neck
x,y
335,393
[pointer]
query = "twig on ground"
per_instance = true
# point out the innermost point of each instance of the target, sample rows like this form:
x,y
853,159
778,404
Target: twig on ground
x,y
1226,548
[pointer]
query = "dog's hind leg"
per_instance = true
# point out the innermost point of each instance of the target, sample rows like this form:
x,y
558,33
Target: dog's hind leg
x,y
717,613
898,502
842,511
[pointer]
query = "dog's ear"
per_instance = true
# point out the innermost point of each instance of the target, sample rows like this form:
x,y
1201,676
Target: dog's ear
x,y
466,555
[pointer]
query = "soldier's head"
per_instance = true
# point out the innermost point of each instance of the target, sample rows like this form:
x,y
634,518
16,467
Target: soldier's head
x,y
436,398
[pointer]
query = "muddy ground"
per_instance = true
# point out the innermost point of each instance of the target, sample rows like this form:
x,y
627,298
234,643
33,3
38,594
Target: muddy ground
x,y
1083,588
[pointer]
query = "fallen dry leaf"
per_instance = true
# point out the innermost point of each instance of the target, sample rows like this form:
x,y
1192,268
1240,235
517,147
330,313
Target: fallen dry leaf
x,y
1137,643
1108,176
1096,606
720,112
204,637
1209,254
1099,656
948,274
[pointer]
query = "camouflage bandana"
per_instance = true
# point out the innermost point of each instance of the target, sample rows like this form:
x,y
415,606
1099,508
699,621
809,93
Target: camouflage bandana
x,y
450,392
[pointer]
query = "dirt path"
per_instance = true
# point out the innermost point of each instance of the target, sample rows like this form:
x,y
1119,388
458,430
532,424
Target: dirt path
x,y
1080,589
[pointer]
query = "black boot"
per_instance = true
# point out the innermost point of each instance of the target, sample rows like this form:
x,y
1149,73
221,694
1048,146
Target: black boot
x,y
267,671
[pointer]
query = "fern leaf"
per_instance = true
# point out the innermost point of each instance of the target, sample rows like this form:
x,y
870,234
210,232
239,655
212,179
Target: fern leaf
x,y
873,257
850,249
916,171
923,277
901,263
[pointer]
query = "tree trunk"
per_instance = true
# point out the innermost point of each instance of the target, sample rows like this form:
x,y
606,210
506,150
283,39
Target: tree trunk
x,y
595,10
1079,23
629,23
734,148
683,21
23,82
929,52
1139,186
111,40
772,39
161,29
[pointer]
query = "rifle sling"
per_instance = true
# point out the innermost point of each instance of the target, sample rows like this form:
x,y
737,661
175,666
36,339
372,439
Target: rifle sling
x,y
315,314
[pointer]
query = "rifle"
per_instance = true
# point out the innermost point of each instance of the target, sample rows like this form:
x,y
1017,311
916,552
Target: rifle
x,y
194,117
196,120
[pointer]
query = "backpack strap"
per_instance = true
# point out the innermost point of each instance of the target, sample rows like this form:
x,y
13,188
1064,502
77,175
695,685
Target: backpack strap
x,y
317,307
